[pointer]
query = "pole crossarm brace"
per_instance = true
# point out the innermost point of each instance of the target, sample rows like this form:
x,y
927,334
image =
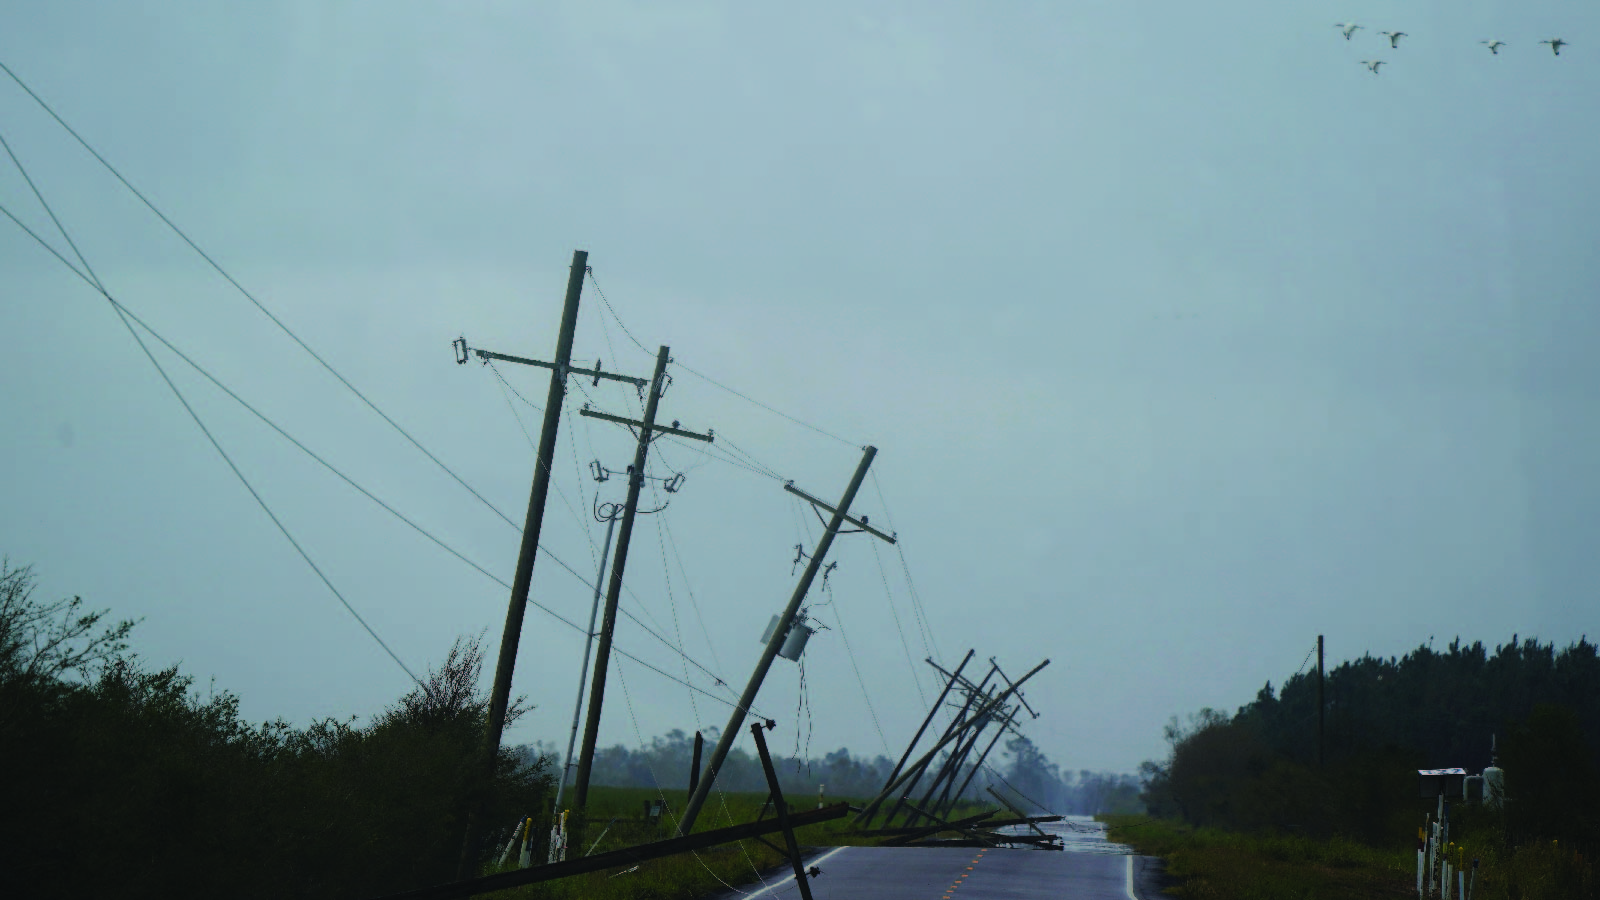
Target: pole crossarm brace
x,y
1019,693
659,429
573,370
848,518
966,683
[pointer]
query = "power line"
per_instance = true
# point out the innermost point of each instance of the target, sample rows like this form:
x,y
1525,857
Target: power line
x,y
248,296
764,406
708,378
911,586
122,316
838,619
596,283
391,510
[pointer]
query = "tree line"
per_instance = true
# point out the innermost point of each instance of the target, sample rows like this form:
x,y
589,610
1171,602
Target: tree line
x,y
1023,773
1258,767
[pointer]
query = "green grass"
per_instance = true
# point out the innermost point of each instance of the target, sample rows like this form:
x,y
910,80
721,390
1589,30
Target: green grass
x,y
1218,864
690,875
1229,866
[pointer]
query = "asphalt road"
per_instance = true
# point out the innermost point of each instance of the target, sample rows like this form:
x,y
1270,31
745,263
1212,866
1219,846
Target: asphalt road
x,y
1099,872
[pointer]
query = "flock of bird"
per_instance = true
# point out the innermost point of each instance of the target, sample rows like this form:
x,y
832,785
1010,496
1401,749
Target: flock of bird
x,y
1350,28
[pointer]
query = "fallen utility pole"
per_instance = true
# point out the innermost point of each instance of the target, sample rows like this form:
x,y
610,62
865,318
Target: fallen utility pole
x,y
916,772
779,633
959,764
945,826
608,622
1017,812
949,682
781,808
500,693
614,858
981,757
952,768
987,708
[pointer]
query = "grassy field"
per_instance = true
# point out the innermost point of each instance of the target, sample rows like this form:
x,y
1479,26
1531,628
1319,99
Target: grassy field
x,y
1219,864
1216,864
690,875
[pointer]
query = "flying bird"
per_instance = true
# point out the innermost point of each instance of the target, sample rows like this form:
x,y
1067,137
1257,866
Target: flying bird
x,y
1393,36
1373,65
1555,45
1494,46
1349,28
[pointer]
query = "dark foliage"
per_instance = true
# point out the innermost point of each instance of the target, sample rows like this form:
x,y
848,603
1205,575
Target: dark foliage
x,y
128,783
1386,718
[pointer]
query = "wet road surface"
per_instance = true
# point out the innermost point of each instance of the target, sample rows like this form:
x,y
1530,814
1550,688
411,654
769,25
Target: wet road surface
x,y
1090,868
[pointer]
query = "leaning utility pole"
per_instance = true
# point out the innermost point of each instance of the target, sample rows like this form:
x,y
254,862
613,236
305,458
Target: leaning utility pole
x,y
608,622
500,694
781,631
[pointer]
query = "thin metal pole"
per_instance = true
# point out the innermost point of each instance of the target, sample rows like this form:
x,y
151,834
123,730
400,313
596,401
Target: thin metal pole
x,y
774,643
781,807
500,694
1322,707
583,672
619,560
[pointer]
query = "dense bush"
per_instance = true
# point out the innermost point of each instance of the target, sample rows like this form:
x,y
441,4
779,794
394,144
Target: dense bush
x,y
123,781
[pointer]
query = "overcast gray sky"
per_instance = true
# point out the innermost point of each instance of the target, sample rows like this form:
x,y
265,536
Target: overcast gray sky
x,y
1183,338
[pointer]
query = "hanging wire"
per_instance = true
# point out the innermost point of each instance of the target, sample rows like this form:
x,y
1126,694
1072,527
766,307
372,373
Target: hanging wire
x,y
764,406
802,713
596,282
911,585
672,543
391,510
838,619
707,378
906,645
1303,663
252,298
661,794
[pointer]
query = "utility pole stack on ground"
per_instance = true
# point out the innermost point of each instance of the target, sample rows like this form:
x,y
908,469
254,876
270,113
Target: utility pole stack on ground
x,y
914,775
955,731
